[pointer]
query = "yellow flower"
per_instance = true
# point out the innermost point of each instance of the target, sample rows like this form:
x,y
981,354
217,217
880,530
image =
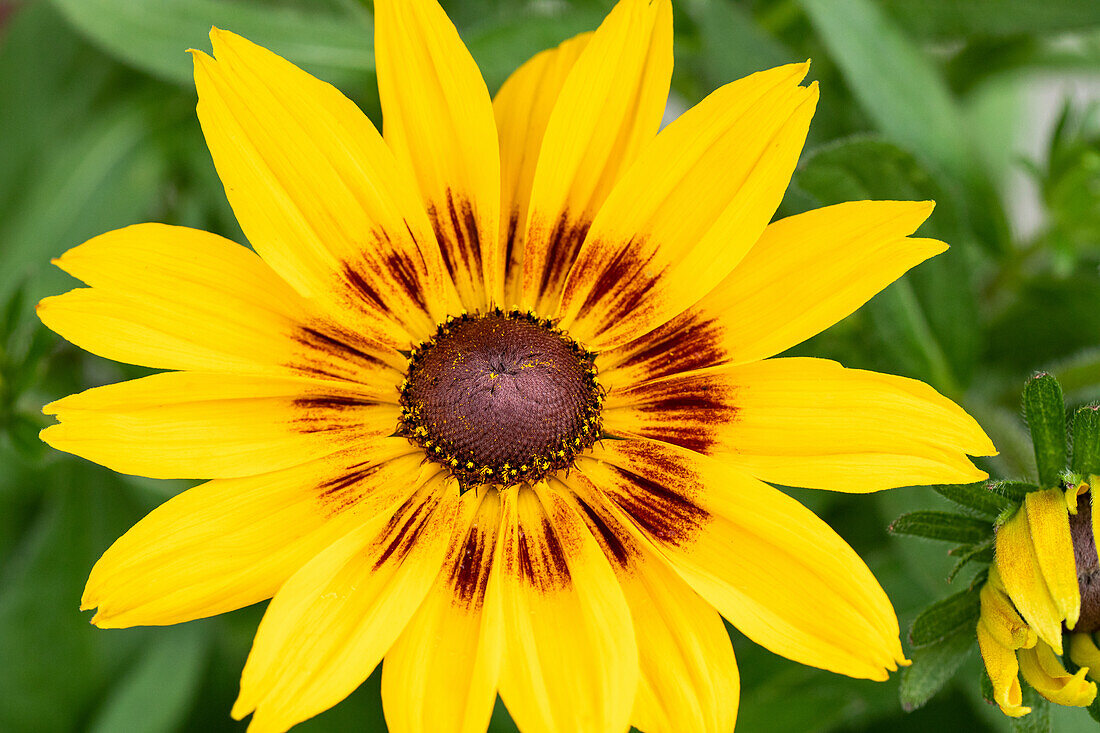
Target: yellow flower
x,y
1045,577
492,397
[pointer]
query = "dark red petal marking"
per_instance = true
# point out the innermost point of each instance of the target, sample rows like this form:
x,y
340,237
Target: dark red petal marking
x,y
688,411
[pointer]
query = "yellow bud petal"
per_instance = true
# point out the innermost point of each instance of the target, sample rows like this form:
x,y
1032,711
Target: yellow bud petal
x,y
1001,619
1001,664
1048,520
1084,653
1018,566
1072,492
1043,671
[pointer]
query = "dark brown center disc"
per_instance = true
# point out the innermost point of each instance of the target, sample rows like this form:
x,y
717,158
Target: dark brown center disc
x,y
1088,568
500,398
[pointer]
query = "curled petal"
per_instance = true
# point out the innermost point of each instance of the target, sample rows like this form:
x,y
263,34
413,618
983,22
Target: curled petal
x,y
1000,663
1045,673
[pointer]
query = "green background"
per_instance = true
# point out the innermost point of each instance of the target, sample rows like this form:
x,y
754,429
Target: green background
x,y
981,105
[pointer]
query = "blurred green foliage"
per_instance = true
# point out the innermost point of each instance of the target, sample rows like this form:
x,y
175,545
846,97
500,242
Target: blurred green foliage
x,y
920,99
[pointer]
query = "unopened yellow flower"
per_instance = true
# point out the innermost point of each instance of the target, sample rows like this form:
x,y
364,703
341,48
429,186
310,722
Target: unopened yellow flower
x,y
492,397
1045,580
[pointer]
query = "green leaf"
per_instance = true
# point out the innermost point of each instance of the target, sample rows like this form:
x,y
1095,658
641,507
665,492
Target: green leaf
x,y
1086,441
104,176
943,526
22,430
500,46
1050,318
156,693
1038,720
902,324
62,659
924,323
952,18
154,35
986,685
932,667
1015,491
1079,376
1094,709
944,618
48,78
731,43
973,496
980,552
1045,411
894,81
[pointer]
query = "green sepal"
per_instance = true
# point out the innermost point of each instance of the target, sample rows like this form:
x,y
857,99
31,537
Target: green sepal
x,y
1014,491
945,618
933,667
975,497
1045,410
945,526
1086,440
981,552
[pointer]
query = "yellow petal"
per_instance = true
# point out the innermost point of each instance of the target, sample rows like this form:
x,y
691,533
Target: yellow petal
x,y
1000,617
522,109
689,674
1000,663
175,298
232,542
1048,520
1045,673
772,568
694,202
570,660
318,193
330,623
1084,653
200,425
804,274
441,674
610,106
807,422
689,679
1018,567
438,120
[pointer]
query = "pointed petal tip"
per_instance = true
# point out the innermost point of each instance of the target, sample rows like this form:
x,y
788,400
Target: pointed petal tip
x,y
200,59
935,246
813,96
242,708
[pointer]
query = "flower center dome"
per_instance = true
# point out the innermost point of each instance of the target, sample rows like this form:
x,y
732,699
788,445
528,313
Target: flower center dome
x,y
501,398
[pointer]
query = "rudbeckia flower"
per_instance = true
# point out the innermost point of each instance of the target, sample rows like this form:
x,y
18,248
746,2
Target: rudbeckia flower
x,y
492,396
1045,580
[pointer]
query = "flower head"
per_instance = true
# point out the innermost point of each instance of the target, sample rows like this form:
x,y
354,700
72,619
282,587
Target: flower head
x,y
1045,578
492,397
